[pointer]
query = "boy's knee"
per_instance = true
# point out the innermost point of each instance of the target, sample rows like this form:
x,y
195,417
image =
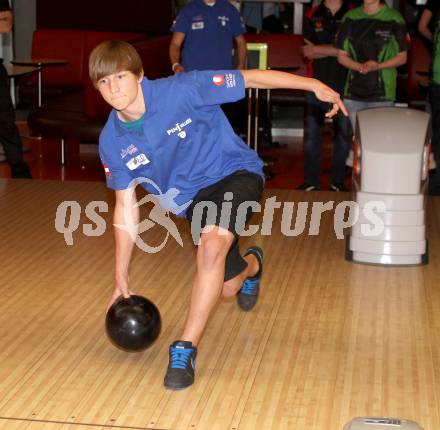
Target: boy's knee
x,y
213,247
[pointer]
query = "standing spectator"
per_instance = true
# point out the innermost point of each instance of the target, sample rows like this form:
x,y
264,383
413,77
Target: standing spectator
x,y
434,98
372,43
320,27
207,30
203,39
9,137
427,19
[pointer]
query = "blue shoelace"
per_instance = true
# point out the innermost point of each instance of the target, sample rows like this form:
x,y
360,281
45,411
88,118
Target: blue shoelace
x,y
249,286
179,357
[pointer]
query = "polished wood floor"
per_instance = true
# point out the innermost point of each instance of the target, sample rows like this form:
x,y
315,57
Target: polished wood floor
x,y
328,341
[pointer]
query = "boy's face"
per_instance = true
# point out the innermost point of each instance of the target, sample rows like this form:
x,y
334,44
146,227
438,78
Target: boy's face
x,y
120,90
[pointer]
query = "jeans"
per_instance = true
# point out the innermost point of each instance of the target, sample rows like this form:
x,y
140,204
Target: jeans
x,y
314,123
353,106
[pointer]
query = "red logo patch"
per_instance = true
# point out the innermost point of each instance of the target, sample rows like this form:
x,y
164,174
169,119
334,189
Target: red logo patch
x,y
318,25
218,80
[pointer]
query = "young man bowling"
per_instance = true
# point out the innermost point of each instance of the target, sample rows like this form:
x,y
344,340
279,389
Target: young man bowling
x,y
173,132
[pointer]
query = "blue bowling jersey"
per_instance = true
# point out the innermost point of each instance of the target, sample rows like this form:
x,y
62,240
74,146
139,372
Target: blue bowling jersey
x,y
209,34
186,142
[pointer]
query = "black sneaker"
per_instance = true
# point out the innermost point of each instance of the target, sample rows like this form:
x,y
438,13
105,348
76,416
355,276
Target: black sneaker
x,y
338,187
307,187
247,296
180,372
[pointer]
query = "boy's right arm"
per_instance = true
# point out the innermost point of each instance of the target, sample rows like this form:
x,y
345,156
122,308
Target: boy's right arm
x,y
125,221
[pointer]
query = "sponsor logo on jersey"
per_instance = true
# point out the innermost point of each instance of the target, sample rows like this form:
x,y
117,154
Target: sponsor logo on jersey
x,y
198,25
130,150
318,25
179,128
218,80
135,162
223,19
230,80
385,34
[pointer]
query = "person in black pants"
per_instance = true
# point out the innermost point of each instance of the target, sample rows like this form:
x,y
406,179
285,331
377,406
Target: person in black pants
x,y
320,26
9,137
434,98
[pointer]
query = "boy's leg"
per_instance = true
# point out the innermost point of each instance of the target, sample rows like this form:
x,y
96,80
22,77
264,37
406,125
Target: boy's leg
x,y
233,286
207,288
206,291
218,260
208,283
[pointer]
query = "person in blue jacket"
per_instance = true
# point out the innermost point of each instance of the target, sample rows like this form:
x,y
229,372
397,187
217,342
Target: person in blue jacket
x,y
171,136
203,37
204,34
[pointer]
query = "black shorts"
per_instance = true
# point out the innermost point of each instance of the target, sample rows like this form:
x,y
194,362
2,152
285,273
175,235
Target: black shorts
x,y
212,207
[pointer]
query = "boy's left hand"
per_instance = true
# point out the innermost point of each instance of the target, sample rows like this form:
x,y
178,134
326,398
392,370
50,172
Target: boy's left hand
x,y
326,94
335,108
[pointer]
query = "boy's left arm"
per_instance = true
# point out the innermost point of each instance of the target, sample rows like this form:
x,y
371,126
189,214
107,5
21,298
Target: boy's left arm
x,y
273,79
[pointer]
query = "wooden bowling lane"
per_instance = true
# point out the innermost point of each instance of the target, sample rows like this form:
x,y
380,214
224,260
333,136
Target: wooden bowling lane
x,y
329,340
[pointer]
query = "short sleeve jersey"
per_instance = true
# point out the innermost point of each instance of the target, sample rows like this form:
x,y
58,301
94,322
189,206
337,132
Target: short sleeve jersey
x,y
186,142
320,28
377,37
209,34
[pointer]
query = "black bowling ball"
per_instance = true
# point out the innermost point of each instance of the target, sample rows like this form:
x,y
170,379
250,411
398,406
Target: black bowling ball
x,y
133,324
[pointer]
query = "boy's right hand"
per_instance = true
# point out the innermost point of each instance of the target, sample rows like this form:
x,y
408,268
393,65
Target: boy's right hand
x,y
121,289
